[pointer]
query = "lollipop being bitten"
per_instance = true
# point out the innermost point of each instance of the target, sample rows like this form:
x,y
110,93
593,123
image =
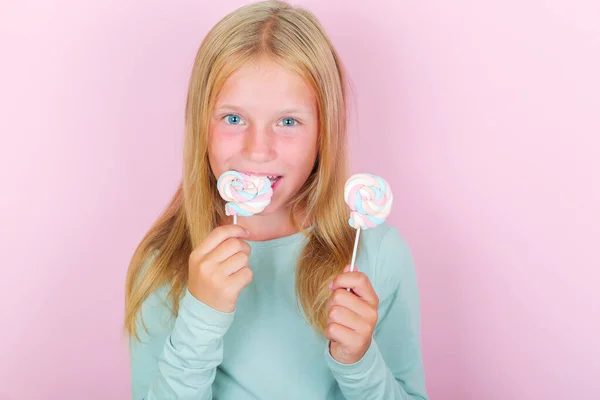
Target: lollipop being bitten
x,y
370,200
245,195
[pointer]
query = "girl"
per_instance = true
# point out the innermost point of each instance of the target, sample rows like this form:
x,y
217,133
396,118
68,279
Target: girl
x,y
260,310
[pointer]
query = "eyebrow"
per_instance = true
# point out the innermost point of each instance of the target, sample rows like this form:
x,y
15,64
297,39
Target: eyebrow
x,y
300,109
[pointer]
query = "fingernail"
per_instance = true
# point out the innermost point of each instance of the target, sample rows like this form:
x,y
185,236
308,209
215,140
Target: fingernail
x,y
247,231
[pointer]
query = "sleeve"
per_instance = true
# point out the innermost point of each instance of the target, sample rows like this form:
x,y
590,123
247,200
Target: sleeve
x,y
392,367
177,359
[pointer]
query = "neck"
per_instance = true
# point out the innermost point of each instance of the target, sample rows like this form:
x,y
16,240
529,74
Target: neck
x,y
267,227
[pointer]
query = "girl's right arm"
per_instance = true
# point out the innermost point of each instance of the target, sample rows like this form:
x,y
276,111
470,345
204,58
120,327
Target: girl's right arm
x,y
178,359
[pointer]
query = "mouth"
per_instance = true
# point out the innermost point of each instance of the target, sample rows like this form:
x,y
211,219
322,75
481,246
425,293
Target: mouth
x,y
272,177
274,180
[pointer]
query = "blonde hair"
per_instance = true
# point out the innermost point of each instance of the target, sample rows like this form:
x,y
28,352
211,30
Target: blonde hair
x,y
292,37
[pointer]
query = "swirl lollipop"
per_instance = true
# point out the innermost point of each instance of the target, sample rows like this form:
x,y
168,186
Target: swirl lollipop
x,y
370,200
245,195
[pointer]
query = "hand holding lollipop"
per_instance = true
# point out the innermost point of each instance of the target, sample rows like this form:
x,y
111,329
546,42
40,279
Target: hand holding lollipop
x,y
245,195
219,283
370,200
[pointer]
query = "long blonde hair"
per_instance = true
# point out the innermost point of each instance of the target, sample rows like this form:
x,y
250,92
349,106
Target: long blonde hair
x,y
294,38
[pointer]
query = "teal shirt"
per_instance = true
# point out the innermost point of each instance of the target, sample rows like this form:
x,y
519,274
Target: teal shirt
x,y
266,350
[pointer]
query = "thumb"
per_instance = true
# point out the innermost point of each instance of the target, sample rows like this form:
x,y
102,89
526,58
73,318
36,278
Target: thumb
x,y
347,268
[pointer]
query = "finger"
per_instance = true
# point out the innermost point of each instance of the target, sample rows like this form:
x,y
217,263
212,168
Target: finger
x,y
342,335
219,235
359,283
343,298
228,248
234,263
348,318
240,279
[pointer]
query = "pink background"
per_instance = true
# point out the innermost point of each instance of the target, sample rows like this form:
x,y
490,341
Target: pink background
x,y
483,115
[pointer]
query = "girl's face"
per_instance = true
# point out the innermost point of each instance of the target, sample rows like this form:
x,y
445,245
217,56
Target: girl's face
x,y
265,122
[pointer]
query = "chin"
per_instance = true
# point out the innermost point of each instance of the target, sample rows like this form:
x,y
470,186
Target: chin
x,y
272,209
269,210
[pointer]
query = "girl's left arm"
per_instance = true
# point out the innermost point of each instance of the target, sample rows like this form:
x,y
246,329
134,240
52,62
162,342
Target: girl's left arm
x,y
391,368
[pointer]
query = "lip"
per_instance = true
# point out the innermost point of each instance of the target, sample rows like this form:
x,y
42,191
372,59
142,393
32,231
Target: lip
x,y
277,183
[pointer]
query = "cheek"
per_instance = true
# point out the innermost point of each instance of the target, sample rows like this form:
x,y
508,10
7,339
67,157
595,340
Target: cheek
x,y
300,153
222,144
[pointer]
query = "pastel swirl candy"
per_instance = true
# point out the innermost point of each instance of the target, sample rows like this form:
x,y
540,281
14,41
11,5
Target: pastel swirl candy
x,y
245,195
370,200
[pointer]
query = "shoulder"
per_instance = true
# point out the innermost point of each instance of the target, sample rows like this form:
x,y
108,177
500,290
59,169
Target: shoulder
x,y
387,258
384,237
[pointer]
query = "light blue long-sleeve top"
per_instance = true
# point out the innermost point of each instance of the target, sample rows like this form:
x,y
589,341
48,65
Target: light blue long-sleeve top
x,y
266,350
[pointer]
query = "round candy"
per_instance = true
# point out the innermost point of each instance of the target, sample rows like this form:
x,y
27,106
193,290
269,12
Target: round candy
x,y
370,200
245,195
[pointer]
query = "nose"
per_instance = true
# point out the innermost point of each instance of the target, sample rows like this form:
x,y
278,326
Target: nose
x,y
259,145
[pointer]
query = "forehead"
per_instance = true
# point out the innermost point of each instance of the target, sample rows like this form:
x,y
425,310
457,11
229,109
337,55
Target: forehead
x,y
266,85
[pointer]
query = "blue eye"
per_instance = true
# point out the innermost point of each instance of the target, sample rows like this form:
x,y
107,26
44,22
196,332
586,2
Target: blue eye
x,y
289,122
233,119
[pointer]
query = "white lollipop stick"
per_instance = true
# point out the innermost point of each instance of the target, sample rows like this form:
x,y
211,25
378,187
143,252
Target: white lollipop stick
x,y
354,252
235,219
355,248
